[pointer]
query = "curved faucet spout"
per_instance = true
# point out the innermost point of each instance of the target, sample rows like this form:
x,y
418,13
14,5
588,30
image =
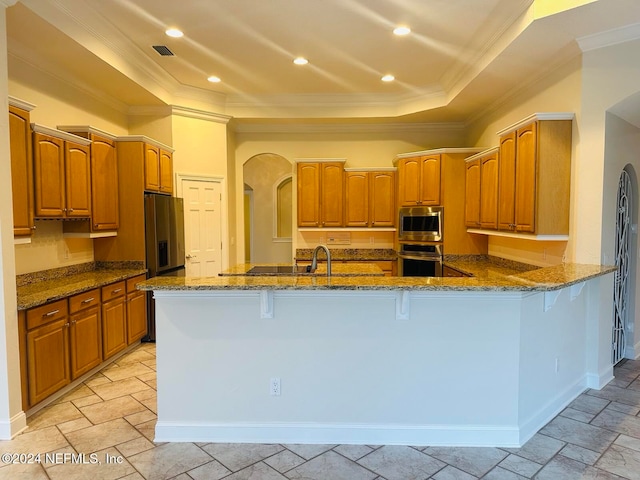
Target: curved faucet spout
x,y
314,259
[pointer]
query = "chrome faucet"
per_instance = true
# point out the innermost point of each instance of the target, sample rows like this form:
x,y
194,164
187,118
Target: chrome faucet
x,y
314,259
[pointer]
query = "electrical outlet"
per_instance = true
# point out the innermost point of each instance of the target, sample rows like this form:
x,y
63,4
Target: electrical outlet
x,y
557,364
274,387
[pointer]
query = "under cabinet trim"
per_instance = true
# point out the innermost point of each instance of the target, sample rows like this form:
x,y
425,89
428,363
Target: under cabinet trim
x,y
523,236
111,233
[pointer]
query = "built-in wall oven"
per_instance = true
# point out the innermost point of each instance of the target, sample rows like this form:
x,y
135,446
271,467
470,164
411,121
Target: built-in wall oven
x,y
420,260
420,237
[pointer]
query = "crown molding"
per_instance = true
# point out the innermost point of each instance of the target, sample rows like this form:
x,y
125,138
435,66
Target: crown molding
x,y
200,114
19,103
438,151
7,3
608,38
482,154
53,132
535,117
144,139
87,129
337,127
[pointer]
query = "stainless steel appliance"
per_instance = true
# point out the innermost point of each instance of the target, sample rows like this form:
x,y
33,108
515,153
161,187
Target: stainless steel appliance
x,y
164,238
420,260
421,224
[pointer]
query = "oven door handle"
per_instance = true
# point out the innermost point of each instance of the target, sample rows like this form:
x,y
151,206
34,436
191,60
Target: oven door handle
x,y
428,258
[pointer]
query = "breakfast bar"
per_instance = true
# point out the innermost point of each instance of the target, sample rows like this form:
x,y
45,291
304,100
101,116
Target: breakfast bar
x,y
484,360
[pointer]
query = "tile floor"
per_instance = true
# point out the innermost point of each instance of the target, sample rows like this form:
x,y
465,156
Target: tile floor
x,y
113,415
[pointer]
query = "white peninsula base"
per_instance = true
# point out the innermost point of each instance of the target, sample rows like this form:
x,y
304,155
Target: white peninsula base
x,y
475,368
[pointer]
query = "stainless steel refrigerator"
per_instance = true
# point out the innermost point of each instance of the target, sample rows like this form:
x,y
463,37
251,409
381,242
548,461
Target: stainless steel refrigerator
x,y
164,237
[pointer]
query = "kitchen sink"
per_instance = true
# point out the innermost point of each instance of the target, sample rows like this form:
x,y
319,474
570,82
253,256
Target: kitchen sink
x,y
279,270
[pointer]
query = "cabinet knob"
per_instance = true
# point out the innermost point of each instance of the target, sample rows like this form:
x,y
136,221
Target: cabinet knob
x,y
66,324
64,210
33,228
70,210
95,225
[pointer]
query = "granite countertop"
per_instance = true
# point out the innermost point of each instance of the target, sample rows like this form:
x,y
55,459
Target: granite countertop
x,y
337,270
538,279
350,254
41,292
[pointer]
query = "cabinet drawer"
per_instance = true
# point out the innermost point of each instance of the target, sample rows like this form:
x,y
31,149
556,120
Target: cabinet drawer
x,y
46,313
132,282
113,291
84,300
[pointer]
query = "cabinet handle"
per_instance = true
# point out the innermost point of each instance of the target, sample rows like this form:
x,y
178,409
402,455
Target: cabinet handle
x,y
33,228
73,322
95,225
70,210
117,290
64,210
51,313
66,324
88,300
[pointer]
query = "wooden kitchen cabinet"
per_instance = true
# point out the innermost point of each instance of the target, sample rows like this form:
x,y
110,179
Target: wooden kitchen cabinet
x,y
419,180
114,319
158,169
21,170
62,177
320,194
47,343
136,310
534,175
369,198
481,190
85,333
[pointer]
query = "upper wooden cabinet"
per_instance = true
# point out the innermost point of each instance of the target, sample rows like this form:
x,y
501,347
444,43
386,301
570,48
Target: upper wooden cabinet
x,y
481,198
158,169
104,177
62,176
534,175
369,198
21,167
419,180
320,194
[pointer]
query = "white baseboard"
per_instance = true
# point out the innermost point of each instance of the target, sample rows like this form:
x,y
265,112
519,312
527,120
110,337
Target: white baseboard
x,y
13,427
434,435
553,407
634,354
598,380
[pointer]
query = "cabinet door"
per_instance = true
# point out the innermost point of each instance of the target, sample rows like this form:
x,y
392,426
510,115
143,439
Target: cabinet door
x,y
136,316
114,326
48,359
526,155
382,204
85,336
507,182
166,172
308,194
430,180
21,171
472,193
151,168
104,184
332,194
78,180
409,171
489,191
356,210
49,175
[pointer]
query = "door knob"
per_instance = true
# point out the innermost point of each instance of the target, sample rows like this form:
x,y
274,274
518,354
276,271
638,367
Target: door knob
x,y
191,256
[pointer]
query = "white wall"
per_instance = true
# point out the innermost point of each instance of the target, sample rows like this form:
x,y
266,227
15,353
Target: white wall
x,y
12,419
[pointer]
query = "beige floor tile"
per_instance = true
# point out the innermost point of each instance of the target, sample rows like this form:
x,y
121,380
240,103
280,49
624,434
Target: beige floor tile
x,y
618,422
78,392
333,466
141,417
150,363
284,461
38,441
151,404
97,379
621,461
582,434
308,451
258,471
74,425
169,460
628,442
137,355
120,388
148,429
112,409
147,377
117,372
400,463
238,456
476,461
106,464
84,401
28,471
213,470
145,394
54,414
102,436
560,468
135,446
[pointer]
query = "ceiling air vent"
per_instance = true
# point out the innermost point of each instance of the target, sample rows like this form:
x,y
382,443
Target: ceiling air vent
x,y
163,50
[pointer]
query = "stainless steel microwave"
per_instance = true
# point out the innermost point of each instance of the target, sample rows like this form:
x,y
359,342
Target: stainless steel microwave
x,y
421,224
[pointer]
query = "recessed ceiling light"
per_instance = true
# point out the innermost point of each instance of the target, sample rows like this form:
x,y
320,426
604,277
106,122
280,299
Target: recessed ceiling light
x,y
174,32
214,79
388,78
402,30
300,61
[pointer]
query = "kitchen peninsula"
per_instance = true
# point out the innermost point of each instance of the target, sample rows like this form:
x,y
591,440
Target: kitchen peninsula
x,y
484,360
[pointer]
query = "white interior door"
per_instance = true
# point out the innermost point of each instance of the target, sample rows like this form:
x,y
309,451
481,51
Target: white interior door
x,y
203,227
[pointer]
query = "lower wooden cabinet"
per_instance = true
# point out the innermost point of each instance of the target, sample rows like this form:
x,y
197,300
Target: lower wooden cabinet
x,y
63,340
47,345
136,310
114,319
